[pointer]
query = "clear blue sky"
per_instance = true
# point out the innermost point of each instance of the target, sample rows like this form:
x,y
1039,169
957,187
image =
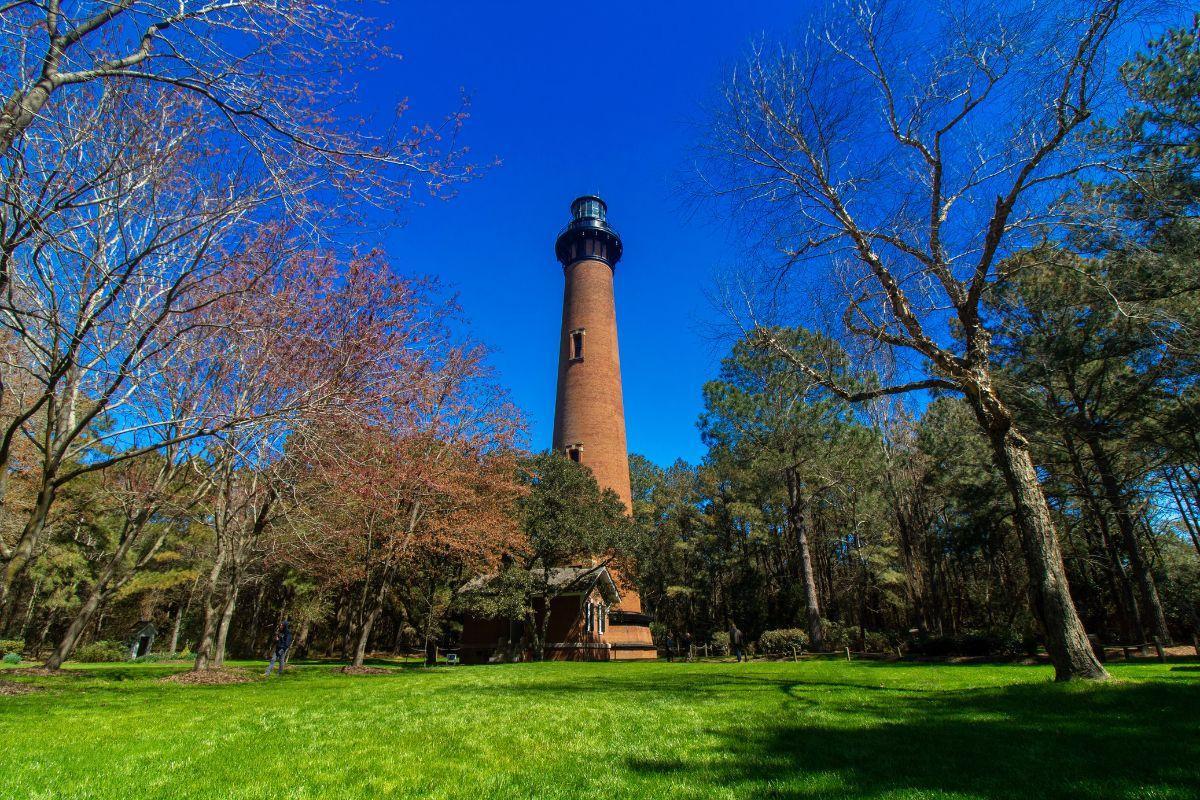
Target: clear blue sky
x,y
576,98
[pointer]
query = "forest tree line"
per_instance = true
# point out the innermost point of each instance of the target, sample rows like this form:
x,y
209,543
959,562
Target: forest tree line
x,y
993,205
960,414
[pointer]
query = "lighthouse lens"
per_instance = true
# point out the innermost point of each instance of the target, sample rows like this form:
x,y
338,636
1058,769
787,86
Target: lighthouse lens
x,y
589,208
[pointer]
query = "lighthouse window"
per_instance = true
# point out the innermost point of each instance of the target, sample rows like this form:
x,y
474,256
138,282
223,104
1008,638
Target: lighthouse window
x,y
577,345
575,453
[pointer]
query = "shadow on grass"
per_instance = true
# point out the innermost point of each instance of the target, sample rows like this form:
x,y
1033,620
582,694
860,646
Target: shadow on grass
x,y
1014,742
394,663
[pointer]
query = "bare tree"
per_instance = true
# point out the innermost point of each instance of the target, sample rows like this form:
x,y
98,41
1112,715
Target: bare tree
x,y
903,153
269,72
306,347
114,229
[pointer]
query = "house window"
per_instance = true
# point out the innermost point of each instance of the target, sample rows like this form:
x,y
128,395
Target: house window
x,y
602,617
589,618
577,344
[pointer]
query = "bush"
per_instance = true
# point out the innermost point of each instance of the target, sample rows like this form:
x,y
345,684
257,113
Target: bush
x,y
11,658
98,652
720,644
876,642
783,641
837,636
11,646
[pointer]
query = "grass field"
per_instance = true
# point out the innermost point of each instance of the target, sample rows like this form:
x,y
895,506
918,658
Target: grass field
x,y
809,729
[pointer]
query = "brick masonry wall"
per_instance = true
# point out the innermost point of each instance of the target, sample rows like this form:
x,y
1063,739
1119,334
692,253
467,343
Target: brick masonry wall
x,y
589,409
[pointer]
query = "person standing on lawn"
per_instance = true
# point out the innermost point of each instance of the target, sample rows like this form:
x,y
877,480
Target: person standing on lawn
x,y
283,642
736,640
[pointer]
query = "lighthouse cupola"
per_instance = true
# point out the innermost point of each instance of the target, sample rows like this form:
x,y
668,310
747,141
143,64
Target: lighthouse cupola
x,y
588,234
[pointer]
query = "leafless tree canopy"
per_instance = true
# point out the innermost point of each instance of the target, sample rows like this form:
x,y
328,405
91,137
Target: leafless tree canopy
x,y
906,150
276,74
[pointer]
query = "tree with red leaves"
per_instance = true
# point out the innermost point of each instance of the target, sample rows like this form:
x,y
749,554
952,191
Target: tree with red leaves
x,y
424,484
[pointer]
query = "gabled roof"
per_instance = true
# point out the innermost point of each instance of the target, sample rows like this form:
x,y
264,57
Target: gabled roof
x,y
569,581
580,580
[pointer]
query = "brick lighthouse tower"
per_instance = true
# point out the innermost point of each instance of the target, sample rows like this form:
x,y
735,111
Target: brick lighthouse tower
x,y
596,614
589,414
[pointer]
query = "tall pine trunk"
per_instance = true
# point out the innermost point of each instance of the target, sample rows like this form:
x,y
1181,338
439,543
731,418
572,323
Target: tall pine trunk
x,y
1131,619
1152,605
800,520
1066,641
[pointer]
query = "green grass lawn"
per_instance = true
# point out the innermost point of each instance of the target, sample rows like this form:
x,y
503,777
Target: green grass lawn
x,y
809,729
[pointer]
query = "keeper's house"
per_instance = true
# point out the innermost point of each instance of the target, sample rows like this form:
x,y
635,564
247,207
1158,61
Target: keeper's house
x,y
585,624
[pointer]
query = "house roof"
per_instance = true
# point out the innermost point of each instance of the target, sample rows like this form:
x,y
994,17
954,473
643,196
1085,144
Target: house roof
x,y
570,580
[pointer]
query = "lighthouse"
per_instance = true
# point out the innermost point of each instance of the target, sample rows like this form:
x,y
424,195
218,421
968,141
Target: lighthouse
x,y
597,614
589,413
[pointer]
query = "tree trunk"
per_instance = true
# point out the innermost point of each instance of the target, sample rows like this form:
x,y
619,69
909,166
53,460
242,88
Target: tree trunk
x,y
1066,641
106,584
66,644
204,647
368,622
1181,503
183,611
22,108
1131,619
21,554
175,625
364,635
1133,548
800,520
30,608
226,619
301,645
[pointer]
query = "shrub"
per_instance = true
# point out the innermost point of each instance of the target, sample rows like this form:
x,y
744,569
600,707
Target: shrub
x,y
101,651
11,646
837,636
783,641
11,658
720,643
876,642
660,632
